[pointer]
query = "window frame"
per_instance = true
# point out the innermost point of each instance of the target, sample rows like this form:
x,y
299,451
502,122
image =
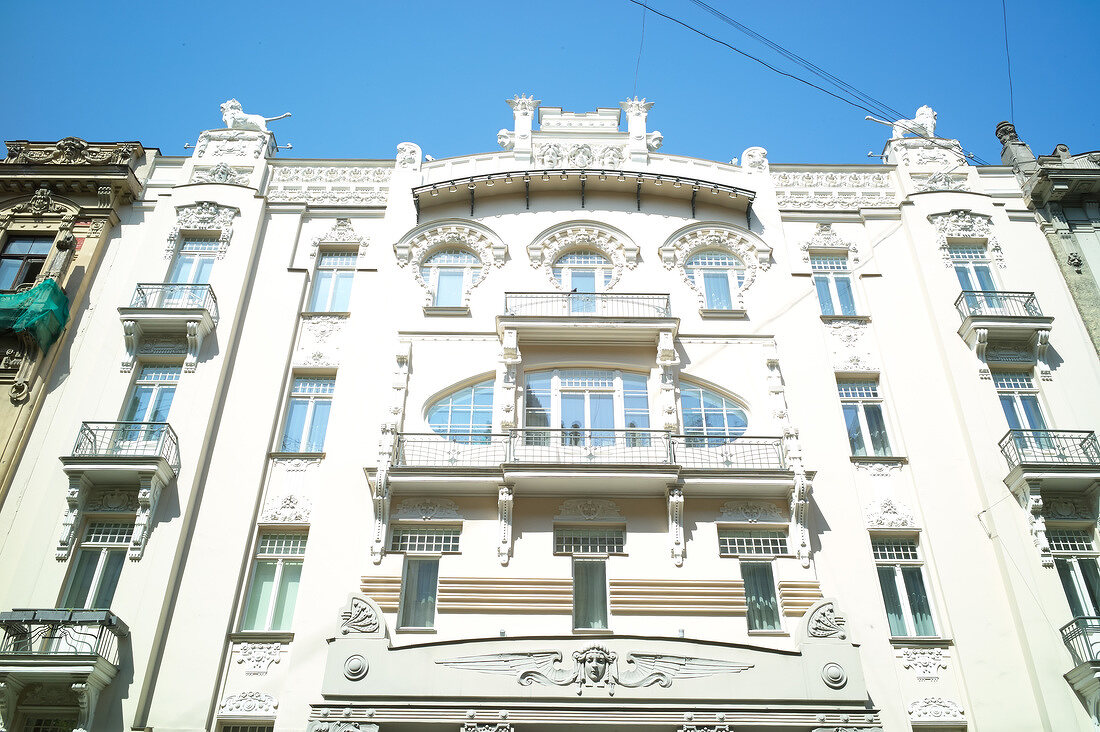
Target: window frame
x,y
735,277
618,391
26,274
104,549
960,259
281,561
446,401
861,403
729,404
1071,558
594,528
403,599
899,583
755,558
189,246
603,272
307,421
472,273
1017,394
600,559
156,385
828,276
340,272
424,527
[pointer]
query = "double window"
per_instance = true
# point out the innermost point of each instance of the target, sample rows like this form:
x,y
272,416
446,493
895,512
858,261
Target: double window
x,y
590,547
716,274
422,545
1019,400
276,574
449,274
901,577
582,273
332,282
833,282
1075,558
307,414
755,550
864,418
151,397
587,405
194,260
21,260
98,565
467,411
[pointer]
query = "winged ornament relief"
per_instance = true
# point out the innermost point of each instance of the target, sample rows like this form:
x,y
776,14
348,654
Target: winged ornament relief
x,y
596,667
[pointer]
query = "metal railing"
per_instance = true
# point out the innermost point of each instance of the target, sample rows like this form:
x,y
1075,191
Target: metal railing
x,y
588,447
128,439
1082,637
699,451
62,632
171,295
1005,304
587,304
1050,447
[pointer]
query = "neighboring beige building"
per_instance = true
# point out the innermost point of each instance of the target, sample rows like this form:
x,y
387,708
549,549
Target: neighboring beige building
x,y
573,434
59,204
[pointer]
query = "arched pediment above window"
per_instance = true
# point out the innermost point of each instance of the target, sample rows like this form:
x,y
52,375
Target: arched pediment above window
x,y
551,245
746,247
456,237
42,203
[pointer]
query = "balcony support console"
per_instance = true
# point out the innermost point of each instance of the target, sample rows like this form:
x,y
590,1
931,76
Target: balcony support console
x,y
1010,321
168,317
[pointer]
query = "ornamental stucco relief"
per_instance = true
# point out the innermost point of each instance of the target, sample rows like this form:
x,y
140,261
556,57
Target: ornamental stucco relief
x,y
851,346
751,512
935,709
827,241
426,509
889,513
928,663
203,216
341,232
965,224
588,509
286,508
752,251
320,341
256,658
248,703
620,250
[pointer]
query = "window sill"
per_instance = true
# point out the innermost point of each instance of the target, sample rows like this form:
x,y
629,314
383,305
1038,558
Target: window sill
x,y
717,314
261,636
324,313
448,312
592,631
277,455
887,462
775,633
845,318
416,630
930,641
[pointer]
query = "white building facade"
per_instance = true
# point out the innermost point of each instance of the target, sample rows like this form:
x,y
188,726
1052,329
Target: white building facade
x,y
577,433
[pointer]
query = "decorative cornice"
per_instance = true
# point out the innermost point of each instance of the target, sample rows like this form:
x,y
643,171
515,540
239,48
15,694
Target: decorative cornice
x,y
73,151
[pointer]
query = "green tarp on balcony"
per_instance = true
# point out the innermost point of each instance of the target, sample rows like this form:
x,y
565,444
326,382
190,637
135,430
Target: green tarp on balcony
x,y
41,311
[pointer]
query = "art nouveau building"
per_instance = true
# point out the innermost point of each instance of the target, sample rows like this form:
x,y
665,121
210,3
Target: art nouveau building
x,y
573,434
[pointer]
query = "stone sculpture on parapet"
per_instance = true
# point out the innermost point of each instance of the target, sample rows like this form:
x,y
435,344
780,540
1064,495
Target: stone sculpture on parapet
x,y
923,124
236,118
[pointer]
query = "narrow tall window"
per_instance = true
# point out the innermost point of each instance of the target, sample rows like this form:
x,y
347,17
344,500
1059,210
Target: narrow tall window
x,y
276,574
863,418
194,260
419,589
332,282
152,393
448,274
1075,556
971,263
590,547
901,577
833,283
755,549
1019,400
21,260
98,565
307,414
583,273
718,275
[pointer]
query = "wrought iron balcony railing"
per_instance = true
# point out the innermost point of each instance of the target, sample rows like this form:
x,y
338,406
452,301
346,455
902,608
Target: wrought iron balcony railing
x,y
1082,637
170,296
972,303
589,447
1050,447
62,632
586,304
128,440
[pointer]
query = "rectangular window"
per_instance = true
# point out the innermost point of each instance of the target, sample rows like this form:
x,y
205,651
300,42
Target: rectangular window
x,y
152,394
863,418
49,723
332,282
1075,559
760,594
254,727
833,283
194,260
422,539
608,540
98,565
589,594
21,259
419,588
1019,400
276,574
307,414
901,577
733,542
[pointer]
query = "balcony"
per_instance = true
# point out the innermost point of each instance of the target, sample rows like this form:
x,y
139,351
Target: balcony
x,y
1058,460
599,317
1082,639
168,311
1009,320
603,459
77,650
137,457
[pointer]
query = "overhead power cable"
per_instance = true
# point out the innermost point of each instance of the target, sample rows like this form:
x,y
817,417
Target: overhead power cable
x,y
858,104
641,43
1008,59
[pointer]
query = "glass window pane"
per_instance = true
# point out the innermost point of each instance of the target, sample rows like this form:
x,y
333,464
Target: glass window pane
x,y
259,596
81,582
161,404
1034,414
138,407
889,585
295,425
108,580
1008,405
589,594
963,273
855,432
448,291
201,275
763,609
318,426
287,595
844,295
418,597
918,601
1092,583
341,295
322,290
717,288
876,425
985,278
1069,585
181,268
824,297
9,270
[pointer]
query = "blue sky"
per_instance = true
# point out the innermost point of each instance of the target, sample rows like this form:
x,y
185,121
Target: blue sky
x,y
361,77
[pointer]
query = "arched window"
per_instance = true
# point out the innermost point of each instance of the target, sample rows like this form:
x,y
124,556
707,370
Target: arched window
x,y
587,406
582,273
448,274
711,414
467,411
717,275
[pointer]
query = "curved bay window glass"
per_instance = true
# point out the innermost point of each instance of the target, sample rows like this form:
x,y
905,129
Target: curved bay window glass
x,y
464,414
717,275
448,274
583,273
586,407
712,415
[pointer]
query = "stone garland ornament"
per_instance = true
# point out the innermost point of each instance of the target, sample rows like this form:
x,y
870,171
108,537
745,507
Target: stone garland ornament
x,y
594,667
206,216
342,232
753,253
965,224
751,512
887,513
258,657
927,662
286,509
935,709
40,203
235,144
248,703
221,173
588,509
426,509
74,151
827,241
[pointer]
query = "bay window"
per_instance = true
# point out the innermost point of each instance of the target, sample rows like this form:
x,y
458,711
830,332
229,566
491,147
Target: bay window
x,y
901,578
276,574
